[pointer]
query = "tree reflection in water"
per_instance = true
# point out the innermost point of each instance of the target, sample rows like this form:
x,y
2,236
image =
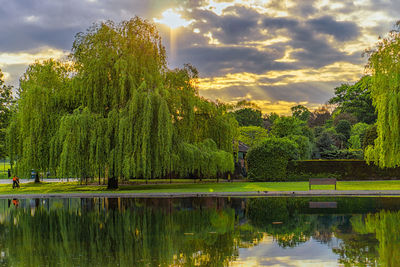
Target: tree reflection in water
x,y
190,231
122,232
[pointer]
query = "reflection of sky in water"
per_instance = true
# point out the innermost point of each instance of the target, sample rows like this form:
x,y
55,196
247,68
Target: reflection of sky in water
x,y
268,253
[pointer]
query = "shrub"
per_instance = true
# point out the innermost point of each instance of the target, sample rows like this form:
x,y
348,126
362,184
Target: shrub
x,y
304,145
268,160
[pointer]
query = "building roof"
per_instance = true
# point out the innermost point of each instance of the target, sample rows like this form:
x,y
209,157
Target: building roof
x,y
243,147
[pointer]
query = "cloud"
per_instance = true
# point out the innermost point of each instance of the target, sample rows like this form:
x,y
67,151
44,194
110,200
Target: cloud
x,y
212,60
30,24
237,41
306,85
282,51
341,30
313,92
14,64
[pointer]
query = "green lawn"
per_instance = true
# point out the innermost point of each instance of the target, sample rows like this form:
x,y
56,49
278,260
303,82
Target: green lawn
x,y
74,187
4,166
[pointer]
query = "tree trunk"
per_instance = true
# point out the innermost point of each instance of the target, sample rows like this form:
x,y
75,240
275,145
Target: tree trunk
x,y
112,183
37,178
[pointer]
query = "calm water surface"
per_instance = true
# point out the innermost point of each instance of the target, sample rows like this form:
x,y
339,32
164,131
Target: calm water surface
x,y
200,232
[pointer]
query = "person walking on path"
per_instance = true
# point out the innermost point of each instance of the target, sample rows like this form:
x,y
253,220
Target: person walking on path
x,y
15,181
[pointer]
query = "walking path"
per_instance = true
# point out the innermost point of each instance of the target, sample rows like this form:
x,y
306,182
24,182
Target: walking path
x,y
24,181
313,193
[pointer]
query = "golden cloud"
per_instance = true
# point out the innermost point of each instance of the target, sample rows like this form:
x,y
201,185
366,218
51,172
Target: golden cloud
x,y
338,71
27,57
30,57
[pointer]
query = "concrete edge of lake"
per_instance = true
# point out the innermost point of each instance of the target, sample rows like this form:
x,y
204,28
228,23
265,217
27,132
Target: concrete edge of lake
x,y
344,193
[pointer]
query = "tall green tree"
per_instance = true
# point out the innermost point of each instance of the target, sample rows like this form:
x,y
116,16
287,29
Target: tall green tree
x,y
356,99
384,65
301,112
284,126
248,117
6,101
319,117
344,127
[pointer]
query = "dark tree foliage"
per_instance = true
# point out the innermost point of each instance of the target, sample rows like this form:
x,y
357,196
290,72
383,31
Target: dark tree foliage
x,y
325,142
304,146
344,127
269,119
369,137
300,112
356,99
319,117
248,117
345,116
6,101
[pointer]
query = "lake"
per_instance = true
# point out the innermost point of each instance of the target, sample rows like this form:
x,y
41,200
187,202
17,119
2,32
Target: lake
x,y
274,231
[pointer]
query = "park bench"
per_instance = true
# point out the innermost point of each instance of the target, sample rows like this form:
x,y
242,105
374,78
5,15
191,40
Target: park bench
x,y
322,181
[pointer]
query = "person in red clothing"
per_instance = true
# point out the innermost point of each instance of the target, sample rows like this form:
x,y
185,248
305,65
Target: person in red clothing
x,y
15,181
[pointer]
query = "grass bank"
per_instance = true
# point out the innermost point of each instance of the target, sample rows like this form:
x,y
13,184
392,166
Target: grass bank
x,y
74,187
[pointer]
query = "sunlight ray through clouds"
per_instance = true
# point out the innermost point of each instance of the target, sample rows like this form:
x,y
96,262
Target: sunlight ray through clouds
x,y
172,19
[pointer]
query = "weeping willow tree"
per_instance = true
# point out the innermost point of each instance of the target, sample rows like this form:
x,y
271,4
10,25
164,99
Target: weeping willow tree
x,y
128,115
44,96
384,63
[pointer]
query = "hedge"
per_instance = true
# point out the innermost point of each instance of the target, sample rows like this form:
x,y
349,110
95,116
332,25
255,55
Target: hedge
x,y
341,169
267,161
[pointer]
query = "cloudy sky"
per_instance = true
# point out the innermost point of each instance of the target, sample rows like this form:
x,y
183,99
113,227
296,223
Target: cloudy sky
x,y
277,53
